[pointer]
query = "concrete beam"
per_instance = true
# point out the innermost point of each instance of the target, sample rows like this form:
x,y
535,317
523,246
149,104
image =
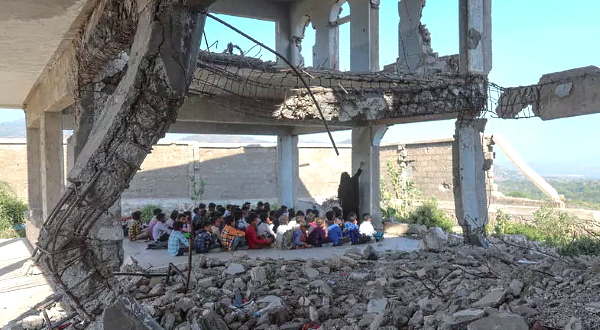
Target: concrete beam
x,y
77,60
535,178
221,110
563,94
365,149
259,9
287,170
191,127
55,89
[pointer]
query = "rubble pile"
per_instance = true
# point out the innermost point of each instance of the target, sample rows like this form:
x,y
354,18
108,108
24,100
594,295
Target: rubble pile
x,y
456,287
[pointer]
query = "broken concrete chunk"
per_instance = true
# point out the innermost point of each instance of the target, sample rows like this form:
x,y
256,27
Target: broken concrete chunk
x,y
467,315
574,324
185,304
206,282
500,321
515,287
370,253
593,307
234,269
419,230
417,319
493,299
359,276
258,274
349,261
32,322
311,273
377,306
435,239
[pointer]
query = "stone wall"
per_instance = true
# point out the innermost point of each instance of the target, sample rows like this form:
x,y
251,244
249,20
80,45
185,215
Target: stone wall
x,y
239,172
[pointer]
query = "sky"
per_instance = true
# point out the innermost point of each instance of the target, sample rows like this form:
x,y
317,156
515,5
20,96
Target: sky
x,y
529,38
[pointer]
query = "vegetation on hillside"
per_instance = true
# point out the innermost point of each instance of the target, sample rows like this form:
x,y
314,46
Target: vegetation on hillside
x,y
579,193
12,212
552,227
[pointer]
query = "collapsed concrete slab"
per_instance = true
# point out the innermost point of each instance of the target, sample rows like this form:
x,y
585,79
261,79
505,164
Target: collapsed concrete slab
x,y
262,89
133,118
563,94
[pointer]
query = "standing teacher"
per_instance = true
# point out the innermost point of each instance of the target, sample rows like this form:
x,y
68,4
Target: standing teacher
x,y
348,192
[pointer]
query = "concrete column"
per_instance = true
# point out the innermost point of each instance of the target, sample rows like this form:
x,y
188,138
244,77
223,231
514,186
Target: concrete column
x,y
475,26
51,160
34,188
365,149
326,42
364,35
470,197
283,38
287,169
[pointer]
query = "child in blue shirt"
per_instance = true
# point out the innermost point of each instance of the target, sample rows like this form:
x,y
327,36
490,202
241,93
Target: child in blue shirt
x,y
178,244
351,228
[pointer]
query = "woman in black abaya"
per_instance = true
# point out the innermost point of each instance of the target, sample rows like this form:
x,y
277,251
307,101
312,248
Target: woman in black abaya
x,y
348,192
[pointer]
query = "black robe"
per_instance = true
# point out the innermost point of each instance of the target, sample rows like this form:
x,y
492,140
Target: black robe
x,y
348,193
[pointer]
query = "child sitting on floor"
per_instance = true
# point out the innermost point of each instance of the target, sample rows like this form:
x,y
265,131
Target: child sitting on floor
x,y
299,237
204,241
334,232
178,244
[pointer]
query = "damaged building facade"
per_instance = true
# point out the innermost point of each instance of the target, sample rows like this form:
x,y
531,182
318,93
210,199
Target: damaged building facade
x,y
127,72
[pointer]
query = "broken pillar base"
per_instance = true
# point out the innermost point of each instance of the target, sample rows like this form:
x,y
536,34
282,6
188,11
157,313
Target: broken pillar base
x,y
477,238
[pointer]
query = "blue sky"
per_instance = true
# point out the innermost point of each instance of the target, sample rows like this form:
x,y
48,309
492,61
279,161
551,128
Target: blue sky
x,y
530,38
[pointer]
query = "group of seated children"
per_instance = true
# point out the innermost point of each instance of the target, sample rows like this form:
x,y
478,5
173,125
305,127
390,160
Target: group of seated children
x,y
232,228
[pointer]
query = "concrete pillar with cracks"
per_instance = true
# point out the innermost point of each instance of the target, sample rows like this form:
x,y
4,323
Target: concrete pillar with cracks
x,y
51,146
364,35
326,42
287,169
470,197
34,188
475,26
365,149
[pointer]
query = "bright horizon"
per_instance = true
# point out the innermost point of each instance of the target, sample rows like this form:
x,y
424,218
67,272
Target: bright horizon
x,y
529,39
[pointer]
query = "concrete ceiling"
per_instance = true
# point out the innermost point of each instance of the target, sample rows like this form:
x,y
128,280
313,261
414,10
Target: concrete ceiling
x,y
30,33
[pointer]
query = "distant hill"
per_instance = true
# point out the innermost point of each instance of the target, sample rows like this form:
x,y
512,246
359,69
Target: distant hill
x,y
13,129
502,173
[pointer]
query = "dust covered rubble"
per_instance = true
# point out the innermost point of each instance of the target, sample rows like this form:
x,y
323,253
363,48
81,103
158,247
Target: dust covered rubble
x,y
457,287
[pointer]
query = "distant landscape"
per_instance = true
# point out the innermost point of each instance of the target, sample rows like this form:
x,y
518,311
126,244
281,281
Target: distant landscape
x,y
579,191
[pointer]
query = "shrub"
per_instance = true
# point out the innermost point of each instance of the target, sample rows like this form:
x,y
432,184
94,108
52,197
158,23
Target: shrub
x,y
587,245
12,212
503,225
526,230
431,215
497,226
558,226
148,212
